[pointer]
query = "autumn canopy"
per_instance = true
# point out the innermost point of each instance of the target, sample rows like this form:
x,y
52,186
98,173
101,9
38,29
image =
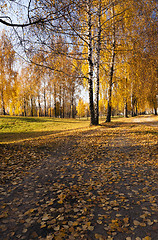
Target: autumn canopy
x,y
53,51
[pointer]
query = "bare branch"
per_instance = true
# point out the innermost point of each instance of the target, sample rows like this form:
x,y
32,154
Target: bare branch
x,y
19,25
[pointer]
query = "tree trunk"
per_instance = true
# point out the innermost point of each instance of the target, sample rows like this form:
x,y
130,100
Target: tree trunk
x,y
72,103
31,107
39,106
55,105
63,102
45,105
3,105
132,107
125,105
136,112
98,64
60,108
50,106
24,107
108,118
2,87
155,111
125,110
90,64
155,106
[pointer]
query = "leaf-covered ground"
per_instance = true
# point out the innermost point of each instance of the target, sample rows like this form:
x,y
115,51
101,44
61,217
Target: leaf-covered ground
x,y
95,183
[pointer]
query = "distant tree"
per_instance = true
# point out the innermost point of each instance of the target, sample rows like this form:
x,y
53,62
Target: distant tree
x,y
94,34
7,74
81,108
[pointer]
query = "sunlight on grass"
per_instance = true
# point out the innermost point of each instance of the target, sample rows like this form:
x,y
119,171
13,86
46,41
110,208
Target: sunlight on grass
x,y
14,129
19,128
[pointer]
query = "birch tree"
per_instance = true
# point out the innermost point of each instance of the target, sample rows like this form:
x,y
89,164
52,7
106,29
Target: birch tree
x,y
7,73
94,29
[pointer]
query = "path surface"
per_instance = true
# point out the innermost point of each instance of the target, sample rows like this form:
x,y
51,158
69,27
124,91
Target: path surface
x,y
146,120
94,184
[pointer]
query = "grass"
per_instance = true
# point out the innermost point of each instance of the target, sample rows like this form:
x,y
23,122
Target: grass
x,y
13,129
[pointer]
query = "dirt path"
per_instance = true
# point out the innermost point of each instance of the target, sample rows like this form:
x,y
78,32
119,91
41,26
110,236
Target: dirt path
x,y
95,184
146,120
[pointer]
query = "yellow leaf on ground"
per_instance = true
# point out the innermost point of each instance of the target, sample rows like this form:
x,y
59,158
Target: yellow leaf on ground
x,y
147,238
136,222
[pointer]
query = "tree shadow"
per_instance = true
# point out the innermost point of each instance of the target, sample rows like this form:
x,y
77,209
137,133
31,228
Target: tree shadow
x,y
13,137
28,119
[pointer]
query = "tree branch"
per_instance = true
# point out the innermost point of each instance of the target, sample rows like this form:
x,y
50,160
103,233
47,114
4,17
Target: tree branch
x,y
19,25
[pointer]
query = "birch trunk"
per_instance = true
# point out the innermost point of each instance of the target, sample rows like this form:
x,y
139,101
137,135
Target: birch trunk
x,y
63,102
24,107
3,105
39,106
108,118
90,63
50,112
125,105
31,107
60,107
45,109
55,109
72,105
2,91
98,64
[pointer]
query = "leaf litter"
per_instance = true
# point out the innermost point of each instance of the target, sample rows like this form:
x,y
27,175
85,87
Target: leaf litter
x,y
100,183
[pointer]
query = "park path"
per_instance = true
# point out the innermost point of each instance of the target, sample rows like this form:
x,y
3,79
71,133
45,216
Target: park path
x,y
146,120
95,184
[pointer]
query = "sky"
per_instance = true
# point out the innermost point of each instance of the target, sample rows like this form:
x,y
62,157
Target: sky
x,y
14,9
13,14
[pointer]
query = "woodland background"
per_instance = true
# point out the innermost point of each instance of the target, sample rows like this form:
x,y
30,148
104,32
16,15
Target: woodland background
x,y
61,178
53,51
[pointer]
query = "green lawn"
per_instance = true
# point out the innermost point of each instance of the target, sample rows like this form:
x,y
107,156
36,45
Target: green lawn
x,y
13,129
